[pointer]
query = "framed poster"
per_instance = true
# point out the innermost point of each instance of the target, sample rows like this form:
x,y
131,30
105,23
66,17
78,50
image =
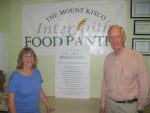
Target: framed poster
x,y
72,73
140,8
141,27
141,45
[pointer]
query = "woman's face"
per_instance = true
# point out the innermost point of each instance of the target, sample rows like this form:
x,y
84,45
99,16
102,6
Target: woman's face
x,y
28,60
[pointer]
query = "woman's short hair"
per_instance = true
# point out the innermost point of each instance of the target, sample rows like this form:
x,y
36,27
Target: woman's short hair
x,y
24,51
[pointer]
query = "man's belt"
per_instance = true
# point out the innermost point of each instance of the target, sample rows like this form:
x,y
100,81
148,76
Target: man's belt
x,y
127,101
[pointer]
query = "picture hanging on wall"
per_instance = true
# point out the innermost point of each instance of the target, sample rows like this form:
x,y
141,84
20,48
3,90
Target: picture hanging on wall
x,y
141,45
140,8
141,27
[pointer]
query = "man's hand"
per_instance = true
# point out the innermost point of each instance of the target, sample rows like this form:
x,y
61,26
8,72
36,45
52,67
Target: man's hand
x,y
102,110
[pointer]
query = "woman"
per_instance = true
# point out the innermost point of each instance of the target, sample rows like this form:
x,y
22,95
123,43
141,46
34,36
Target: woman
x,y
24,88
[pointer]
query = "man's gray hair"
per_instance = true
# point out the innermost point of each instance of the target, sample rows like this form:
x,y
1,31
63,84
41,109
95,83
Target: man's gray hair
x,y
118,27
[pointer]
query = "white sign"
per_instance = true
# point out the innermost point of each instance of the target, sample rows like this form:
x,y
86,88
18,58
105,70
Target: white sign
x,y
81,23
72,73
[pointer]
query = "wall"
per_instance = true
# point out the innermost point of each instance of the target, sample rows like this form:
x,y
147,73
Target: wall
x,y
4,17
11,24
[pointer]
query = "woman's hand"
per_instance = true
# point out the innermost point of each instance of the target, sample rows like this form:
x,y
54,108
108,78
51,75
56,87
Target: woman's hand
x,y
49,108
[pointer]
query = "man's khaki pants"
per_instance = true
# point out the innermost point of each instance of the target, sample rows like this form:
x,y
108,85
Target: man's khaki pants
x,y
114,107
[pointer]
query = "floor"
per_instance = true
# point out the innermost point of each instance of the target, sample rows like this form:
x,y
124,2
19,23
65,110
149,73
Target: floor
x,y
147,109
76,105
73,105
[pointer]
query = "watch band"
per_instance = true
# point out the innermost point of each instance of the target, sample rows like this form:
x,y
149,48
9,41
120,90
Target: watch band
x,y
140,111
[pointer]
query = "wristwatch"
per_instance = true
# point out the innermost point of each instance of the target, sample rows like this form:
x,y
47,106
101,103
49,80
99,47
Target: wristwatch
x,y
140,111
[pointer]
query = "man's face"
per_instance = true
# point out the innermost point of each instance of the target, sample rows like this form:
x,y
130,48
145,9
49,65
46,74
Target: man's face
x,y
116,39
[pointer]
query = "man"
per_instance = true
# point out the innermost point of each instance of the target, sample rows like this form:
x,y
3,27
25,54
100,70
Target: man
x,y
125,84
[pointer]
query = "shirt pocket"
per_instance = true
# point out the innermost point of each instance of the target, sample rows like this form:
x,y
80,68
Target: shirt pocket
x,y
129,75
